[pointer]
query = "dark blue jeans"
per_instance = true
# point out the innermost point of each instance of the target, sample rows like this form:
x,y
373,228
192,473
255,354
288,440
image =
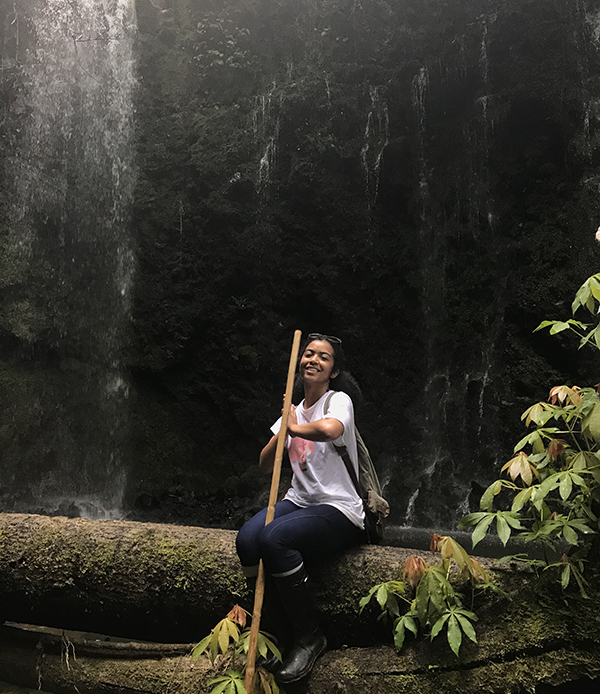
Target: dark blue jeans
x,y
295,535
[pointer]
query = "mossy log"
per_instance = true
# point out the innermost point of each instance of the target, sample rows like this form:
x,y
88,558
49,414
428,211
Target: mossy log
x,y
157,582
173,583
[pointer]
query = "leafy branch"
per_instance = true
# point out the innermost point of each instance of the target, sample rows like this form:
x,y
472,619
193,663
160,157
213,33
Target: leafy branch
x,y
227,648
436,605
554,475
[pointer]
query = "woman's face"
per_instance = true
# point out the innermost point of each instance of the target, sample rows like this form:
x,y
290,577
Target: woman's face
x,y
317,362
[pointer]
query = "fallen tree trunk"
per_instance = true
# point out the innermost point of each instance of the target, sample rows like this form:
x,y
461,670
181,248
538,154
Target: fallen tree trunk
x,y
157,582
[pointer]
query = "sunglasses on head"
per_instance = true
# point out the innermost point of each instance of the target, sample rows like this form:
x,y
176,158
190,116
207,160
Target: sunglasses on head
x,y
329,338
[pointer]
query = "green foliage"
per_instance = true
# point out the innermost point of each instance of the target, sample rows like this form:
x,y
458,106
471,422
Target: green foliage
x,y
226,640
587,297
556,482
436,605
231,682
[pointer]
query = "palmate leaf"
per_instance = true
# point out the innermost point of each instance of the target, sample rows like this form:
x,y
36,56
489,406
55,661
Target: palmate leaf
x,y
367,598
430,594
264,644
456,621
507,521
539,413
450,548
535,439
550,483
385,594
585,296
231,682
519,466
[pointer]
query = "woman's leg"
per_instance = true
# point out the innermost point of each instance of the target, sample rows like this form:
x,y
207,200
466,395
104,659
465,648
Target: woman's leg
x,y
274,618
246,542
309,533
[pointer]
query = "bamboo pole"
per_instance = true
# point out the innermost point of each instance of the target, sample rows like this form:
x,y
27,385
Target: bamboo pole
x,y
260,580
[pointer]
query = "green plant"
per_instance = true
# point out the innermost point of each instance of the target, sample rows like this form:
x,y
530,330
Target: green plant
x,y
227,649
554,475
436,604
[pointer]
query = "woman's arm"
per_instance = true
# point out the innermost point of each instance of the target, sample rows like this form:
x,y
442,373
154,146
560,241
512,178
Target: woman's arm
x,y
327,429
266,460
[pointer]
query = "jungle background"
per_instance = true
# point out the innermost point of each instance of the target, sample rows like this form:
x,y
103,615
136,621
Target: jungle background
x,y
419,178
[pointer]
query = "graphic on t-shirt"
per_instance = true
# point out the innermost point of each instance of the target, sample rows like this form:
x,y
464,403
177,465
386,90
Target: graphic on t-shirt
x,y
299,451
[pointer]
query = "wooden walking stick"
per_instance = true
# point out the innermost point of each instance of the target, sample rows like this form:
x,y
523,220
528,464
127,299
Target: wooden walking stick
x,y
259,592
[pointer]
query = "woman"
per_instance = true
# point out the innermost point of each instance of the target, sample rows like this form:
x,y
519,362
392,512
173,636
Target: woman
x,y
321,512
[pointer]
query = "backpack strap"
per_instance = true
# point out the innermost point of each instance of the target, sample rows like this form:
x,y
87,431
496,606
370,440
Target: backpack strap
x,y
343,453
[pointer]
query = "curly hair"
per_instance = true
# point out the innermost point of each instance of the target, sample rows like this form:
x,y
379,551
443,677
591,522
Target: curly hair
x,y
344,381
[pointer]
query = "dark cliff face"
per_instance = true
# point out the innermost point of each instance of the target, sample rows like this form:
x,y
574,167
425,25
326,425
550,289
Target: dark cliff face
x,y
419,178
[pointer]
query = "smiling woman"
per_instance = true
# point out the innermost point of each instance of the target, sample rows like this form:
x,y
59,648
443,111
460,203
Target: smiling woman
x,y
321,513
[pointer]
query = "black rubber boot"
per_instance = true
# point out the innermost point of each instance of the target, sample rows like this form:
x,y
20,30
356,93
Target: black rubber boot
x,y
273,621
308,640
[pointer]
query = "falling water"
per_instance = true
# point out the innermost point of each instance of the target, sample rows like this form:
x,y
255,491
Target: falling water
x,y
266,132
376,138
67,262
437,385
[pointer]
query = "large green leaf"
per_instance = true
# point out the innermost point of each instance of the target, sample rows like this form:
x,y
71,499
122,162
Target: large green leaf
x,y
565,487
590,426
487,500
583,297
382,595
503,529
570,535
481,529
595,287
454,634
521,499
439,625
578,461
558,327
467,627
199,648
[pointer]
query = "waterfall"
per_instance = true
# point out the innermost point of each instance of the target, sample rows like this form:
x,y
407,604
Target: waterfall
x,y
376,138
266,132
68,261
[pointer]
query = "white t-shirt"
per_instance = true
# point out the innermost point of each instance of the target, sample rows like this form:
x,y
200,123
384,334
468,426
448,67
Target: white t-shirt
x,y
320,475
